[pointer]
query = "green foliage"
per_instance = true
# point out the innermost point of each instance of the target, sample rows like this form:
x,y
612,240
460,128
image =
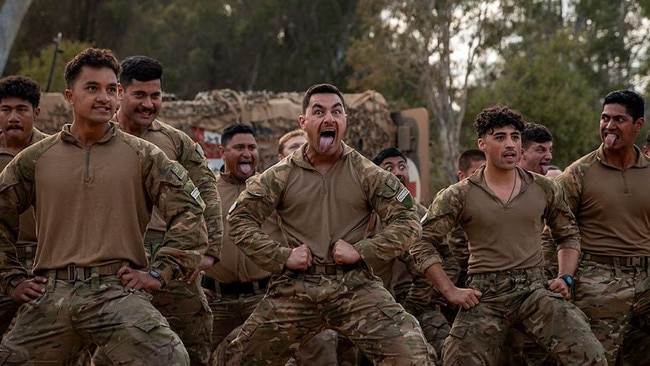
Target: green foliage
x,y
38,68
547,88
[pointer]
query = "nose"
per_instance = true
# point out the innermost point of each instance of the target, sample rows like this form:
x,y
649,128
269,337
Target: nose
x,y
103,95
147,103
13,116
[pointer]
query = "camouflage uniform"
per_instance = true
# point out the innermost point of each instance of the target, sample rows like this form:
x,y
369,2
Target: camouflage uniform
x,y
506,265
413,290
26,244
185,306
318,210
111,187
612,282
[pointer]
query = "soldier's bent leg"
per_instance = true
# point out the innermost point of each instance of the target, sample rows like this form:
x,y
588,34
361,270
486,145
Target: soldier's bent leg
x,y
560,328
362,309
186,309
43,332
125,324
318,351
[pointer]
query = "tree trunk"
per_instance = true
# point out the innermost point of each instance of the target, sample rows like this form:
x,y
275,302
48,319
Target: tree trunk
x,y
11,16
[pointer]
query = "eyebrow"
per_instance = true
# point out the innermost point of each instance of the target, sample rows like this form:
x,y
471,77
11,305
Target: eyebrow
x,y
337,104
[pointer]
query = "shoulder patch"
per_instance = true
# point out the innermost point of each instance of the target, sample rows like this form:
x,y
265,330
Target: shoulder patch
x,y
405,198
393,184
195,193
179,171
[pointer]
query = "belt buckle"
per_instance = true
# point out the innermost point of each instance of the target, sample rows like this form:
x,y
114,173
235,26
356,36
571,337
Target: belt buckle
x,y
72,273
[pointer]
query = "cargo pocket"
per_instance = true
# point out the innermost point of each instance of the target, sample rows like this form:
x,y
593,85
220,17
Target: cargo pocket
x,y
149,324
460,327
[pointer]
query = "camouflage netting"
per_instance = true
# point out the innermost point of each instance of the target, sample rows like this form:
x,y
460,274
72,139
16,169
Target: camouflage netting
x,y
370,127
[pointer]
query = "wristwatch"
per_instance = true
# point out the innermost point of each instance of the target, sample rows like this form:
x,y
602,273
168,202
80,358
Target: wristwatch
x,y
568,279
155,274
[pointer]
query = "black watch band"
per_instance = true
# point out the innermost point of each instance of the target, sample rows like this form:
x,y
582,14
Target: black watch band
x,y
155,274
568,279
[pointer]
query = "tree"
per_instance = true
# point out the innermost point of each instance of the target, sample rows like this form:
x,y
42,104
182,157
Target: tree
x,y
11,16
426,51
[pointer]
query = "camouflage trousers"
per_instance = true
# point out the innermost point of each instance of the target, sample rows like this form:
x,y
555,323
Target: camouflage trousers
x,y
354,303
435,327
614,297
186,309
230,312
518,299
71,316
8,309
8,306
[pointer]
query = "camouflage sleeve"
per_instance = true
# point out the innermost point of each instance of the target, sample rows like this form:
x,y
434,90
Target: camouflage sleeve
x,y
395,206
459,247
560,219
439,220
250,210
421,290
203,177
180,204
16,192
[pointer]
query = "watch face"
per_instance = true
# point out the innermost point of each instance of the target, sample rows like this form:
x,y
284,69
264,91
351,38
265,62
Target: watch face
x,y
568,279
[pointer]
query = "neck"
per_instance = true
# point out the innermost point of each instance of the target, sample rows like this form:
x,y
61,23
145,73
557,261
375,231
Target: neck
x,y
15,144
499,176
88,134
621,158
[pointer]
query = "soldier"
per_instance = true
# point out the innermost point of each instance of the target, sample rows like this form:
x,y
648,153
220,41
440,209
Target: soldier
x,y
537,152
502,209
184,306
290,142
607,190
324,194
19,100
401,277
93,187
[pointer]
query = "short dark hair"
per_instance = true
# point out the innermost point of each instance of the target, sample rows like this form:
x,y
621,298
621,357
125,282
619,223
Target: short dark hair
x,y
631,100
235,129
140,68
468,156
320,89
389,152
535,132
497,116
93,57
22,87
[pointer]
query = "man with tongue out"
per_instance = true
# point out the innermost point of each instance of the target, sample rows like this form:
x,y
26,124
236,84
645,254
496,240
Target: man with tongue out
x,y
324,194
607,190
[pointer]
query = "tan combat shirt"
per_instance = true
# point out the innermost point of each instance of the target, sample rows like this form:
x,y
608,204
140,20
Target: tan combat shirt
x,y
234,265
612,207
178,146
92,205
501,237
319,210
27,231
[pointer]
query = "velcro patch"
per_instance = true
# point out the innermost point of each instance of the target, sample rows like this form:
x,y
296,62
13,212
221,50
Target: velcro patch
x,y
404,197
179,171
195,193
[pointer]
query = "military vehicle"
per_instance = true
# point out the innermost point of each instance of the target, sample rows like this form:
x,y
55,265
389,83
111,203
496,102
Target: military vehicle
x,y
371,126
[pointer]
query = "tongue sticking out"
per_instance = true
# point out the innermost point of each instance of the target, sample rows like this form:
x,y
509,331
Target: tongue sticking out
x,y
245,168
610,140
325,142
544,169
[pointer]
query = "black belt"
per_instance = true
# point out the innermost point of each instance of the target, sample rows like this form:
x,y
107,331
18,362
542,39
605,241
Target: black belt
x,y
611,260
236,288
73,273
332,269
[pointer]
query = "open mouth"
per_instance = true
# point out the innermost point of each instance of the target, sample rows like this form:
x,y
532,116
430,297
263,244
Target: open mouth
x,y
610,139
246,168
326,139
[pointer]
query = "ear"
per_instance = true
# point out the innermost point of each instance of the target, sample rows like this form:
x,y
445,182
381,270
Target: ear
x,y
481,144
37,111
221,150
68,96
638,124
301,121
